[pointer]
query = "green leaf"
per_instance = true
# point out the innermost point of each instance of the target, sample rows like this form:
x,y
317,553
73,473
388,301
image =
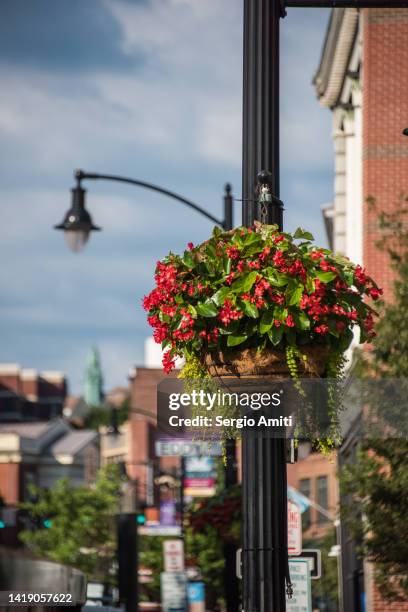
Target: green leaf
x,y
291,336
310,285
251,238
251,327
349,278
244,283
234,340
221,295
192,311
250,309
276,278
275,334
302,321
208,309
294,294
346,339
188,259
280,313
163,317
266,322
227,262
325,277
303,234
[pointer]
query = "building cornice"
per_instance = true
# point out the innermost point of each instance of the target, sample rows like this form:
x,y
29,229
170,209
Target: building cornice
x,y
335,57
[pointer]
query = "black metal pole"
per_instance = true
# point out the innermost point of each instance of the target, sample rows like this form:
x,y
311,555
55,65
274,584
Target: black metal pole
x,y
359,4
264,493
128,561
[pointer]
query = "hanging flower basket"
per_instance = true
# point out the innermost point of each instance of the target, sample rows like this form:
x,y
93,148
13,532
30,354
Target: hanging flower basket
x,y
259,302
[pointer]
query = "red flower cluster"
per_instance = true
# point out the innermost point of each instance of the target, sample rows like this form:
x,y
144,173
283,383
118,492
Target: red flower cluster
x,y
228,313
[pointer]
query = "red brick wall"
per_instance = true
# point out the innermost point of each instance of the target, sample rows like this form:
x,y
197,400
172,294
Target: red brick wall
x,y
385,149
312,467
11,382
9,482
385,115
143,400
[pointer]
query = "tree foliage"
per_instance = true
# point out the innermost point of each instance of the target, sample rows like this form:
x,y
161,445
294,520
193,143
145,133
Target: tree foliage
x,y
100,416
325,590
75,525
378,482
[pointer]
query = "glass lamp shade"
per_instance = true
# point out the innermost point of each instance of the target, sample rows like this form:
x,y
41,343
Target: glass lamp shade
x,y
76,239
77,224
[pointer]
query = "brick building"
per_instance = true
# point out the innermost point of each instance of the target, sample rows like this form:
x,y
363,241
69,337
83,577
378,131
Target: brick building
x,y
362,78
315,476
26,394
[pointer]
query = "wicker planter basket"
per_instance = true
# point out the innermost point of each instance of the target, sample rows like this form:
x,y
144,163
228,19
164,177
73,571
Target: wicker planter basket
x,y
250,363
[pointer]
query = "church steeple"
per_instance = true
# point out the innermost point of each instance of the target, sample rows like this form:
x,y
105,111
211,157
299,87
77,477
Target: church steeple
x,y
93,383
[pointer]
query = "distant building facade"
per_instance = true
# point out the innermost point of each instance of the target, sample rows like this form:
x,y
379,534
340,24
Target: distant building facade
x,y
362,78
40,453
29,395
314,475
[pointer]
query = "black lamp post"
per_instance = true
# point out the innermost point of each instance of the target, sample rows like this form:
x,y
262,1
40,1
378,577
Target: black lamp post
x,y
264,497
78,224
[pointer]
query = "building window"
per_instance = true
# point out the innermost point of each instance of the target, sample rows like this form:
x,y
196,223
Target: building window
x,y
322,497
304,488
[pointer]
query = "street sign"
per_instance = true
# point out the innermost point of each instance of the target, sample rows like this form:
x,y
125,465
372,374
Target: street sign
x,y
159,530
173,553
302,587
200,473
173,586
196,596
294,529
187,448
314,557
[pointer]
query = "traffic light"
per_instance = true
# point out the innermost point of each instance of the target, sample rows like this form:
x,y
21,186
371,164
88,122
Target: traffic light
x,y
47,523
140,518
2,524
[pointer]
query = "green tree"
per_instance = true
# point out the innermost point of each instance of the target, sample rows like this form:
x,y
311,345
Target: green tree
x,y
325,589
75,525
377,484
101,416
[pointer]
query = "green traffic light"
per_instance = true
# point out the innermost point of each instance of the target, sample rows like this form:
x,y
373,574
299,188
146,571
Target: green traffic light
x,y
140,519
2,524
47,523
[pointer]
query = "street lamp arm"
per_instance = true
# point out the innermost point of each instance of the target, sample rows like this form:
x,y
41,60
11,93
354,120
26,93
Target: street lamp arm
x,y
359,4
80,175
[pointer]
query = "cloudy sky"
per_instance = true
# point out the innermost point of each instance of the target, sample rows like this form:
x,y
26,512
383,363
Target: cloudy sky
x,y
150,89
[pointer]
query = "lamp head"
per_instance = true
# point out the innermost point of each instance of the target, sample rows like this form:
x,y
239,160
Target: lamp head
x,y
77,224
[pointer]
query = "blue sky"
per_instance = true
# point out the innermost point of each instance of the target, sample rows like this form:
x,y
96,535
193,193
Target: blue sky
x,y
150,89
